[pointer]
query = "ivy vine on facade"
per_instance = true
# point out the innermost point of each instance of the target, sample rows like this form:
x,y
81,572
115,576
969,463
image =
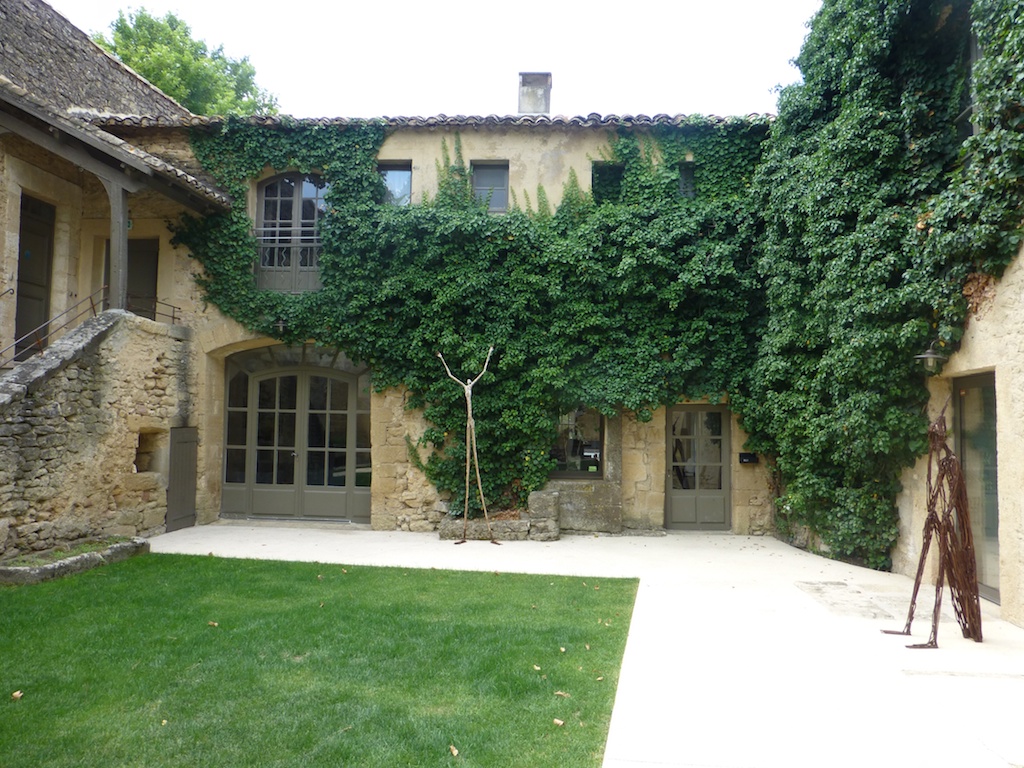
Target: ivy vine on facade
x,y
799,281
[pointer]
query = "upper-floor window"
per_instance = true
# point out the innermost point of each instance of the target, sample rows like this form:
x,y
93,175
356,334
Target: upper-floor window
x,y
397,178
606,181
687,184
289,214
490,184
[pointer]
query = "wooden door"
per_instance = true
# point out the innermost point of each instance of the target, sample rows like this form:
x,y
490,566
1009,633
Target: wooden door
x,y
698,493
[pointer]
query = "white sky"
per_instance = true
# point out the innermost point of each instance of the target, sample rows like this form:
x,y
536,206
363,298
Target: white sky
x,y
339,58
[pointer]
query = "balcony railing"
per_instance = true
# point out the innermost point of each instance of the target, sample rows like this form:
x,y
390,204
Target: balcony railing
x,y
289,259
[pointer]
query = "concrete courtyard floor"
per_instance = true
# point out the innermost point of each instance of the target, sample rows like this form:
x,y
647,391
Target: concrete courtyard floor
x,y
743,652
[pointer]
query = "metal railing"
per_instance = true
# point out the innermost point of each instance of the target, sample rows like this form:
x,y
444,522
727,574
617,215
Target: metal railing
x,y
35,341
154,309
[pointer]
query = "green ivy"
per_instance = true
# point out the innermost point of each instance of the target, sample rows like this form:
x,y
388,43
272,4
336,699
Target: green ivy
x,y
821,253
620,306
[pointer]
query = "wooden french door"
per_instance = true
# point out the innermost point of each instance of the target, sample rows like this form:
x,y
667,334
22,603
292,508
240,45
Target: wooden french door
x,y
698,493
298,445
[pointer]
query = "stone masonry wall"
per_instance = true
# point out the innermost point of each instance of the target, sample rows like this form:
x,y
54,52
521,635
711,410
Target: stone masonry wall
x,y
84,433
401,496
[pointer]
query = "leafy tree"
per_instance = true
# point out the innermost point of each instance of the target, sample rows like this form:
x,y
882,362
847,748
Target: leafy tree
x,y
205,81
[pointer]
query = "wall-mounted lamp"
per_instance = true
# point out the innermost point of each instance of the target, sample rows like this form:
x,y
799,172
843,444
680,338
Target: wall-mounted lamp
x,y
932,358
280,325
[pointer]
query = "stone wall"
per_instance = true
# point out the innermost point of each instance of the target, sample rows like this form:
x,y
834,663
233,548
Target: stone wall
x,y
401,496
84,433
993,342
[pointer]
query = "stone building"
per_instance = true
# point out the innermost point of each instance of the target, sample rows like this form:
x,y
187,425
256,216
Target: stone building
x,y
147,416
93,174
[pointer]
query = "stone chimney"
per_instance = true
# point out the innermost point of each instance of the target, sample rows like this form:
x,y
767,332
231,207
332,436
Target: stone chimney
x,y
534,93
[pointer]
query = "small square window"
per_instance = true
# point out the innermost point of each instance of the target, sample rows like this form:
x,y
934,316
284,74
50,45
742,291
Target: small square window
x,y
397,182
606,182
579,446
687,187
490,185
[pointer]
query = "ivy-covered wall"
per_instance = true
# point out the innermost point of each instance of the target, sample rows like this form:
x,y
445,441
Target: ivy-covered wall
x,y
816,259
619,306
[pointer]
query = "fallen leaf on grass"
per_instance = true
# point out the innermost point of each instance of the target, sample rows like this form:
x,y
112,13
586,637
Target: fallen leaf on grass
x,y
562,649
213,623
17,695
319,577
596,587
453,750
563,694
163,722
344,571
536,668
559,722
600,678
587,646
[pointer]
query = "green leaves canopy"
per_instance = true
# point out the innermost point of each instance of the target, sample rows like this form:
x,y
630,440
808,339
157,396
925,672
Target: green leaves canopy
x,y
204,81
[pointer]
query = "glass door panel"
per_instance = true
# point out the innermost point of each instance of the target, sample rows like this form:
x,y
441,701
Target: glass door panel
x,y
976,448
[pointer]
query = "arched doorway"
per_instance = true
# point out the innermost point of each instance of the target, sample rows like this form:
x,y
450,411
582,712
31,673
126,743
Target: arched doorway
x,y
297,435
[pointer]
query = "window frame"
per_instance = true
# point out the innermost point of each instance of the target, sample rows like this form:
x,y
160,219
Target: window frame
x,y
385,167
595,464
486,193
288,240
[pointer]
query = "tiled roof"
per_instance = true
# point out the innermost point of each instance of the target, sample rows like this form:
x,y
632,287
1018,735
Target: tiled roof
x,y
592,120
23,100
44,52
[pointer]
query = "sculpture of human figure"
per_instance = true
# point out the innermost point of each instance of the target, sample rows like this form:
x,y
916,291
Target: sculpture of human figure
x,y
471,455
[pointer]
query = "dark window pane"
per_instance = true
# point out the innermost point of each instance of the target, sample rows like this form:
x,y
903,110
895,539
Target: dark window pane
x,y
236,427
268,394
234,465
265,428
336,468
363,430
315,464
713,423
238,390
606,182
286,211
339,395
264,467
289,392
317,393
364,471
683,479
339,431
316,435
286,429
285,468
287,187
687,187
577,446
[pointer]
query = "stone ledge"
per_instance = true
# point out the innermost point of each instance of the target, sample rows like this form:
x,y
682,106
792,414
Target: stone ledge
x,y
522,529
34,574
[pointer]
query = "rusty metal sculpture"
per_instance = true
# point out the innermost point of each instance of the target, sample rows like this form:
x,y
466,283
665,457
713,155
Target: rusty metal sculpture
x,y
949,522
467,388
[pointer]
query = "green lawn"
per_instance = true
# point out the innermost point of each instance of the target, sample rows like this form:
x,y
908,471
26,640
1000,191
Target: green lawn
x,y
168,660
